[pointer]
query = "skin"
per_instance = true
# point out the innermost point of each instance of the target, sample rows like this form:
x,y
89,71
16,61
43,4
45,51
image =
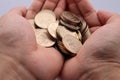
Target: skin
x,y
58,6
17,40
100,51
18,46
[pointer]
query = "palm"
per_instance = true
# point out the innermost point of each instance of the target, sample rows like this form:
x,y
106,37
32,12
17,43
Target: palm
x,y
52,60
15,33
18,41
90,57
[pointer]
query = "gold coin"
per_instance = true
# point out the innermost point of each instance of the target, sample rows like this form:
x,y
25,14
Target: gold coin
x,y
71,43
79,35
52,29
43,38
86,35
44,18
63,31
70,18
62,48
83,26
67,34
86,29
69,26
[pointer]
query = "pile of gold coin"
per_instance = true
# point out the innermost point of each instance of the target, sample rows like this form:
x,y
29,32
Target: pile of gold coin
x,y
67,34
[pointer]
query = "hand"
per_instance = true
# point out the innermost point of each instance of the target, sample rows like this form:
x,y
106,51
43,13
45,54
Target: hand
x,y
17,40
99,57
58,6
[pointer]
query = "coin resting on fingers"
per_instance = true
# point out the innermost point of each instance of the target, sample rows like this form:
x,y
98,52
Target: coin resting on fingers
x,y
44,18
67,34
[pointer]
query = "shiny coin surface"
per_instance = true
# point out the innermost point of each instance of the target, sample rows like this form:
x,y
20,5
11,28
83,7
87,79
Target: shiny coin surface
x,y
79,35
44,18
43,38
71,43
83,26
62,31
71,27
86,35
62,48
86,29
52,29
70,18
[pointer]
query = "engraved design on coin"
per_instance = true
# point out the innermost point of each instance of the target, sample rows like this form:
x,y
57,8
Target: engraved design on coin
x,y
44,18
71,43
43,38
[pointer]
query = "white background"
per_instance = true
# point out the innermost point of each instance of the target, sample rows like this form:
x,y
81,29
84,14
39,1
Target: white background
x,y
110,5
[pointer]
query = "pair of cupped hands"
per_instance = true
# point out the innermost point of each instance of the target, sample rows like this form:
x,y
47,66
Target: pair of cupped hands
x,y
101,50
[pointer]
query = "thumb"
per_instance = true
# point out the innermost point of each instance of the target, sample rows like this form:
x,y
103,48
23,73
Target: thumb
x,y
104,16
19,10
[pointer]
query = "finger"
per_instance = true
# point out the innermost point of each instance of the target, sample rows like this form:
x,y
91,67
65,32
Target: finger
x,y
50,4
104,16
34,8
88,12
93,29
73,7
19,10
47,63
60,7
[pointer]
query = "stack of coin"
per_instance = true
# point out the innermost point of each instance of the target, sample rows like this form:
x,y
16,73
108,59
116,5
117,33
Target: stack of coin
x,y
70,20
67,34
84,30
75,23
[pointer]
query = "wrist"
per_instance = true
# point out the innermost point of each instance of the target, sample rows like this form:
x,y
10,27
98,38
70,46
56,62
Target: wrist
x,y
11,69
